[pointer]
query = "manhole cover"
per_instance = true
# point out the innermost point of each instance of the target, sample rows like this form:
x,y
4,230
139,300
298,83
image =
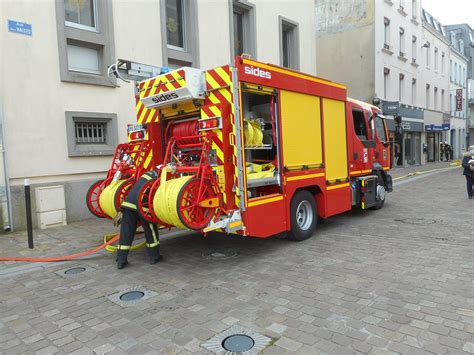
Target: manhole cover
x,y
75,270
220,254
416,220
237,340
132,296
238,343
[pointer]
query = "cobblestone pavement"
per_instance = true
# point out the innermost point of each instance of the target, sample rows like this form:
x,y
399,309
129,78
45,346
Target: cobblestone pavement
x,y
398,280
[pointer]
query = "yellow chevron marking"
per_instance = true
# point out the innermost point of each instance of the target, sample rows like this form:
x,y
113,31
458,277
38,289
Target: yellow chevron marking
x,y
226,93
223,74
215,110
211,81
148,160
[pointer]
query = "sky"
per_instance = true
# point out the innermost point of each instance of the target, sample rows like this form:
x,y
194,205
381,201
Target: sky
x,y
450,12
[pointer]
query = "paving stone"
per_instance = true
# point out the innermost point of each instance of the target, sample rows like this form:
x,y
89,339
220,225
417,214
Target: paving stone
x,y
288,344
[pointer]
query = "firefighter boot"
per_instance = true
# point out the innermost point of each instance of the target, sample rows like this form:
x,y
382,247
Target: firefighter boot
x,y
122,259
154,254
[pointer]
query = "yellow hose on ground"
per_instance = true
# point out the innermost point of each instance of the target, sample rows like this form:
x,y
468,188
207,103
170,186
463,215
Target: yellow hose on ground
x,y
165,201
113,249
107,198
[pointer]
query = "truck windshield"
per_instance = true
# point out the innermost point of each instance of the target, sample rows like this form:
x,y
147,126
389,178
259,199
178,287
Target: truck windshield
x,y
380,128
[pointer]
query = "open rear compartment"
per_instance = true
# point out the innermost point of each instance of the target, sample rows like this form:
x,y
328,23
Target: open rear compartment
x,y
261,141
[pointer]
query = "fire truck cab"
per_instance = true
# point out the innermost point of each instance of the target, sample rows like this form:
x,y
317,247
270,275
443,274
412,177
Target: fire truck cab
x,y
249,148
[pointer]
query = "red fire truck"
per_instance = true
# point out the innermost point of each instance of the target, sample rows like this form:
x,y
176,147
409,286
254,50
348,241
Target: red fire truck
x,y
250,148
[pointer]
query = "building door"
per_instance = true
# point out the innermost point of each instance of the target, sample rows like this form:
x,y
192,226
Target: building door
x,y
416,149
430,138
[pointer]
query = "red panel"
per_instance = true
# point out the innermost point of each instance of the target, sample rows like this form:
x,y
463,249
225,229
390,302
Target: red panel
x,y
338,201
283,78
266,220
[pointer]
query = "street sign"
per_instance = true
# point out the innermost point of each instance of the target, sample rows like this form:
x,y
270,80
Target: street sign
x,y
20,27
458,99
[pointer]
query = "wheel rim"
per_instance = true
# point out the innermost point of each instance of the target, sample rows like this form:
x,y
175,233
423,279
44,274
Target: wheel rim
x,y
190,213
380,193
93,199
304,215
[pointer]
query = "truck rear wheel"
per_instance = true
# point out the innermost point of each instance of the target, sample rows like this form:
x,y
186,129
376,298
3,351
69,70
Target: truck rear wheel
x,y
303,216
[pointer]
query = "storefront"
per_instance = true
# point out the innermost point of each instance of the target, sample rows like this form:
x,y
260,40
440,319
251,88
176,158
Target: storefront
x,y
434,137
405,137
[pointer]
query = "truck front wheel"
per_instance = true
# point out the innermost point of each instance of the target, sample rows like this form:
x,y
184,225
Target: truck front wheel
x,y
303,216
380,194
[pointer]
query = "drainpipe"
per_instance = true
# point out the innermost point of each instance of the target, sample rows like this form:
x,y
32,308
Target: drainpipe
x,y
7,220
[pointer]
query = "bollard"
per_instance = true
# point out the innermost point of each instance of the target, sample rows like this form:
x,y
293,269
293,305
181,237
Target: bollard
x,y
29,224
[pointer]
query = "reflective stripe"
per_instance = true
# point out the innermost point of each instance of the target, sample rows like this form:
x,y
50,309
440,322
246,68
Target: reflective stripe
x,y
124,247
129,205
152,245
148,177
155,239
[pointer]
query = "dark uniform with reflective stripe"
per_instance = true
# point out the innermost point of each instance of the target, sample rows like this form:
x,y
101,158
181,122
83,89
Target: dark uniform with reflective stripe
x,y
130,219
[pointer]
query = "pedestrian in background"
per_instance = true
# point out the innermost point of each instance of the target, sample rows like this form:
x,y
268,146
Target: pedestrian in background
x,y
441,150
446,150
468,172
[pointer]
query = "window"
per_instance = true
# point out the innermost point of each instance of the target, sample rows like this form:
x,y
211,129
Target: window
x,y
451,69
413,49
427,96
244,32
289,46
436,59
443,104
402,42
442,62
85,40
427,54
414,9
380,128
81,14
461,46
175,24
451,103
456,73
452,37
435,98
386,73
360,126
179,33
91,133
463,78
83,59
386,22
413,91
401,83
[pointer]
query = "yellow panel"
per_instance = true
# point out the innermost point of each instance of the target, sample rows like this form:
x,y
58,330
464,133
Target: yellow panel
x,y
301,129
335,145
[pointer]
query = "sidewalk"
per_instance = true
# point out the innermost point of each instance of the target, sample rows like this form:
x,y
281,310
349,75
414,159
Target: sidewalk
x,y
397,172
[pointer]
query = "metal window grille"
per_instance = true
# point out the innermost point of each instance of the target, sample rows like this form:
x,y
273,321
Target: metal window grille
x,y
91,133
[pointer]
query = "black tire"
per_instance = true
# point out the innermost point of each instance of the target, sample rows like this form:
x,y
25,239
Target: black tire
x,y
303,216
379,203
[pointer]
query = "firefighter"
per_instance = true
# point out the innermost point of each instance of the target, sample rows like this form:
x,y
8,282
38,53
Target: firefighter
x,y
129,217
